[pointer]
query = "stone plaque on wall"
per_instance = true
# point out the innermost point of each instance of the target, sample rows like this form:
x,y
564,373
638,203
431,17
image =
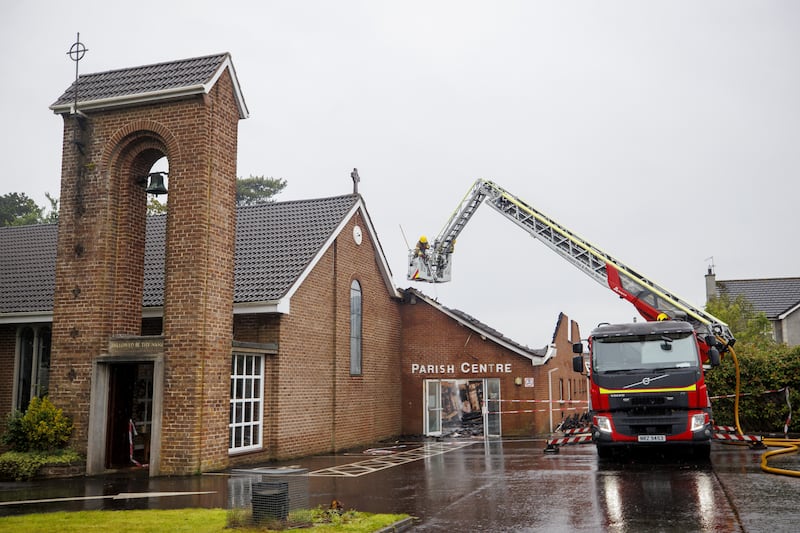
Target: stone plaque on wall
x,y
135,345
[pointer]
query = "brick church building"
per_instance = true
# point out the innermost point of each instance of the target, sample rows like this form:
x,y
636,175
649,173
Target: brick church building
x,y
219,336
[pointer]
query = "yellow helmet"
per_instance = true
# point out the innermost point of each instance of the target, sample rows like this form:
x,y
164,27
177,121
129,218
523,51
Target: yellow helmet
x,y
423,239
662,316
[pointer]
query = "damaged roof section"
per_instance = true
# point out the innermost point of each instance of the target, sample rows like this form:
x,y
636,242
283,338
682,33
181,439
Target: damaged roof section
x,y
537,356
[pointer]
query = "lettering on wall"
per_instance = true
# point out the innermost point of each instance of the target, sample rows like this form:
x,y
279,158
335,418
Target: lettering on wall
x,y
135,345
463,368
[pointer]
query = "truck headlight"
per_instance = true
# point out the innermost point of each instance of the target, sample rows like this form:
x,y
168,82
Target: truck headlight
x,y
603,423
698,421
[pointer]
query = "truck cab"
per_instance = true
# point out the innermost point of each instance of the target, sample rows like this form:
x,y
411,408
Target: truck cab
x,y
647,387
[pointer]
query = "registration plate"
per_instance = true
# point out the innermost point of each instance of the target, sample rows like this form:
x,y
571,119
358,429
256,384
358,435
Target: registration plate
x,y
652,438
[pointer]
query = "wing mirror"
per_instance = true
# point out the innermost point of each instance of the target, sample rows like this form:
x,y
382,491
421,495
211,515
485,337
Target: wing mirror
x,y
713,350
577,360
713,356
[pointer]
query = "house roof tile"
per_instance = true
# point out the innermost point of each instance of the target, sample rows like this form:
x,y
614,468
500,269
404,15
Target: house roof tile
x,y
773,296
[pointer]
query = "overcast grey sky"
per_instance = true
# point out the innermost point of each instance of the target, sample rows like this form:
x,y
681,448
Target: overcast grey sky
x,y
663,132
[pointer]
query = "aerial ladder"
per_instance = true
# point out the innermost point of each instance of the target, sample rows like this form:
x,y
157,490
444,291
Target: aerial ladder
x,y
432,263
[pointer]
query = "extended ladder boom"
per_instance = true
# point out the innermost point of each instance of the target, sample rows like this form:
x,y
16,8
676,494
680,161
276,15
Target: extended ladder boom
x,y
651,300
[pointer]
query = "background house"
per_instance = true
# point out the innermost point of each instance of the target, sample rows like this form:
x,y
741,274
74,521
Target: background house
x,y
778,298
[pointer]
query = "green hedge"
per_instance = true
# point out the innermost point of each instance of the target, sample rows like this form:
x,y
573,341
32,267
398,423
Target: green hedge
x,y
22,466
760,370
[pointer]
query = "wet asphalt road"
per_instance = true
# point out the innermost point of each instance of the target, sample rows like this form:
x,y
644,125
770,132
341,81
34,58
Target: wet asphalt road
x,y
482,486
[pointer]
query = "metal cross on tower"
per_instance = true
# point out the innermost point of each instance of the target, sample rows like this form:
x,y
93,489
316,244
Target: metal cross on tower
x,y
76,53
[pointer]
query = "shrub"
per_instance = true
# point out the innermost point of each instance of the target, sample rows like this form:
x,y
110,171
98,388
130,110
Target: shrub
x,y
14,436
43,427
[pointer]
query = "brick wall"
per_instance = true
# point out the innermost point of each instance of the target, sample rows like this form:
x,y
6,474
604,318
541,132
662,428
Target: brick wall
x,y
367,406
259,328
8,347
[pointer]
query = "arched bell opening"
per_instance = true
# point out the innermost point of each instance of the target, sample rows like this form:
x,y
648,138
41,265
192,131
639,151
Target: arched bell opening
x,y
140,168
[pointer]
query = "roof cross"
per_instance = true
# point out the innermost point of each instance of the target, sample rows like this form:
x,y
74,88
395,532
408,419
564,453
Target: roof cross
x,y
76,53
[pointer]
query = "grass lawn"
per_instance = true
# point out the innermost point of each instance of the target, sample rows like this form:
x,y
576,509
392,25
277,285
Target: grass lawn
x,y
184,520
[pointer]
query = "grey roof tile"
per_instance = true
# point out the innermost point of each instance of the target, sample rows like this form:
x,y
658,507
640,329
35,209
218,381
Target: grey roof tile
x,y
27,268
154,260
276,242
773,296
171,76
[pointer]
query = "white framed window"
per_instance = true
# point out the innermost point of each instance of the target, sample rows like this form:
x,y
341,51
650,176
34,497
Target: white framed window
x,y
355,329
32,374
247,402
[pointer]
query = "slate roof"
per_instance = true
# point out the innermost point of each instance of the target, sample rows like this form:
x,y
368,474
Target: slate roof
x,y
275,245
27,268
276,242
541,355
147,83
773,296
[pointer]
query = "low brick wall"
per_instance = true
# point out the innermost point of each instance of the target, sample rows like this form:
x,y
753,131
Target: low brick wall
x,y
60,471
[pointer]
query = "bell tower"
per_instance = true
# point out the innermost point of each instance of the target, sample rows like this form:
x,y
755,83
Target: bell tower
x,y
117,124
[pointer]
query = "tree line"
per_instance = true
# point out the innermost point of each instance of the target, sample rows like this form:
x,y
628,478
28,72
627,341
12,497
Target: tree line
x,y
17,209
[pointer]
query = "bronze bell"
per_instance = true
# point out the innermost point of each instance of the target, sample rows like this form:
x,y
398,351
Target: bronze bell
x,y
156,185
